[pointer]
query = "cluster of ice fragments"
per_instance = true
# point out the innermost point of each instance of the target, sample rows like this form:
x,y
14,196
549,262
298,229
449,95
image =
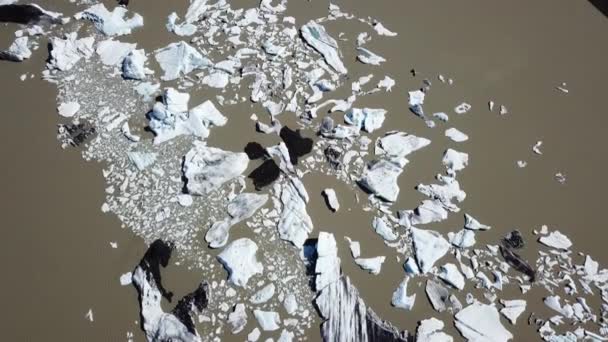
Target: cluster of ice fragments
x,y
172,185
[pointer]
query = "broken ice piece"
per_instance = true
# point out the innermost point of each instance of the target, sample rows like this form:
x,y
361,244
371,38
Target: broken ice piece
x,y
465,238
380,178
111,23
112,52
456,135
383,31
18,51
429,246
239,259
451,275
503,110
268,320
491,106
556,240
315,35
462,108
560,178
355,247
400,298
126,279
142,160
416,100
562,88
471,223
331,199
522,163
263,295
68,109
481,322
441,116
372,265
383,229
513,309
89,315
178,59
237,319
429,330
365,56
454,160
387,83
133,66
536,147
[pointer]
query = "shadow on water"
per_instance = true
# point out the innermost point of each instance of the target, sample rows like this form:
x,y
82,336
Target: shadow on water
x,y
601,5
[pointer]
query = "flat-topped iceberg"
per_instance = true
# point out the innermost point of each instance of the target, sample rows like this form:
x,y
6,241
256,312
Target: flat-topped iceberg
x,y
113,52
400,298
380,178
480,322
295,224
18,51
207,168
372,265
66,52
239,259
134,65
396,146
430,246
368,119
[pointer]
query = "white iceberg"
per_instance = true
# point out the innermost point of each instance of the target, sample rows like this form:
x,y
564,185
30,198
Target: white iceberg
x,y
18,51
480,322
383,31
207,168
268,320
429,330
111,23
133,66
314,34
451,275
380,178
556,240
178,59
372,265
263,295
331,199
383,229
455,161
237,319
368,119
471,223
429,246
400,298
68,109
456,135
66,52
513,309
239,259
294,224
367,57
327,267
465,238
396,146
113,52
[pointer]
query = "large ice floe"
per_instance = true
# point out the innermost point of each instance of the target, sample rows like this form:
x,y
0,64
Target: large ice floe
x,y
213,142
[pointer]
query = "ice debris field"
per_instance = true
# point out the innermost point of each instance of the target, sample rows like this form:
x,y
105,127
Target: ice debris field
x,y
134,111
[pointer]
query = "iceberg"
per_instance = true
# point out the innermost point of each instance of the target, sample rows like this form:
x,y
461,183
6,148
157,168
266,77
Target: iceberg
x,y
294,224
237,319
314,34
429,246
383,229
68,109
398,145
455,161
471,223
111,23
66,52
367,119
239,259
372,265
208,168
513,309
480,322
113,52
380,178
456,135
367,57
556,240
18,51
400,298
178,59
133,66
268,320
331,199
451,275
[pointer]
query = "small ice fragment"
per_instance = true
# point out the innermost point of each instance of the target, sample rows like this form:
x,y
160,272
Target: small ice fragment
x,y
456,135
522,163
560,177
491,106
383,31
463,239
126,279
254,335
331,199
536,147
185,200
89,315
462,108
562,88
383,229
355,247
481,322
441,116
556,240
429,246
471,223
114,244
237,319
290,304
416,100
68,109
503,110
454,160
387,83
429,330
239,259
365,56
263,295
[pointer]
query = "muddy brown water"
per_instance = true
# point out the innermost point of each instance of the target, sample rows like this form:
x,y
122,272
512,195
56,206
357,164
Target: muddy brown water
x,y
58,262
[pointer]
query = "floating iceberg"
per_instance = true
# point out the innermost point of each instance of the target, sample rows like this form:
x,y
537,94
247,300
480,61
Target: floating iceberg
x,y
133,66
380,178
479,322
429,246
400,298
111,23
239,259
314,34
66,52
178,59
18,51
294,224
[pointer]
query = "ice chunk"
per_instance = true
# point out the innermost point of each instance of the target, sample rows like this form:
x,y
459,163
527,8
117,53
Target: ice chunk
x,y
315,35
380,178
254,335
207,168
111,23
18,51
471,223
239,259
513,309
367,57
429,246
66,52
327,267
451,275
454,160
398,145
133,66
263,295
462,108
354,246
331,199
178,59
536,147
387,83
68,109
383,229
383,31
216,79
480,322
367,118
401,299
456,135
372,265
142,160
416,100
113,52
237,318
290,304
429,330
556,240
465,238
183,29
126,279
294,224
268,320
441,116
